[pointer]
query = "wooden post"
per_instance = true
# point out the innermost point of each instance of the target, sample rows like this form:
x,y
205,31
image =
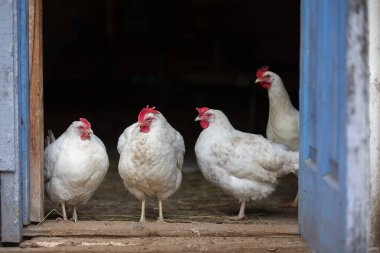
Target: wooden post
x,y
23,104
36,112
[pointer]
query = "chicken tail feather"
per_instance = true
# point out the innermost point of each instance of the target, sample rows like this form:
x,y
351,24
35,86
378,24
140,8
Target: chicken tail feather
x,y
292,165
49,138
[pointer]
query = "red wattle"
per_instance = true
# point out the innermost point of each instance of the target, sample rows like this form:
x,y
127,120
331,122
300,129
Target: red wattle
x,y
144,129
266,85
204,124
85,136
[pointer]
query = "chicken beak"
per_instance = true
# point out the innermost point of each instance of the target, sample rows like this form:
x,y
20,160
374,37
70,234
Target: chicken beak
x,y
258,80
91,132
198,118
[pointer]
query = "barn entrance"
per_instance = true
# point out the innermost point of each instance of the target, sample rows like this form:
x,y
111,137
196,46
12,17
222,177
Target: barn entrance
x,y
21,146
106,60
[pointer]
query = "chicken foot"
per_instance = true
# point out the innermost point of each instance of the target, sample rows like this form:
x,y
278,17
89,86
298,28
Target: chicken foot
x,y
160,215
241,215
293,204
64,211
75,216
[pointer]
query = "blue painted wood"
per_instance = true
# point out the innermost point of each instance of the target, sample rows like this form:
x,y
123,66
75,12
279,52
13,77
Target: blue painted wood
x,y
11,180
11,207
321,227
23,103
324,212
8,73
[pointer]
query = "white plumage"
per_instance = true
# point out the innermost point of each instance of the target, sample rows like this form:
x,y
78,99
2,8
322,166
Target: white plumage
x,y
151,157
75,165
283,118
243,165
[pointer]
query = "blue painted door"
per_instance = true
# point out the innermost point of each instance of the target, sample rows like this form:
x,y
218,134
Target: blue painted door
x,y
14,119
325,202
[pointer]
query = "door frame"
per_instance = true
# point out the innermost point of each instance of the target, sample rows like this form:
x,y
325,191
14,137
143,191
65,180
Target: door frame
x,y
36,112
14,114
374,112
354,181
15,33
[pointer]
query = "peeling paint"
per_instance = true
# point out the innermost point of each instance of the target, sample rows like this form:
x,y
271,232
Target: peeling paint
x,y
357,175
11,200
374,102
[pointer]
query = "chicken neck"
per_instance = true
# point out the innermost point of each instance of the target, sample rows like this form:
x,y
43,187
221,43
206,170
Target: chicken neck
x,y
279,98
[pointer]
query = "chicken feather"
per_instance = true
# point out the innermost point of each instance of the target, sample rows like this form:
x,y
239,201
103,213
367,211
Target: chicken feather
x,y
74,167
244,165
151,159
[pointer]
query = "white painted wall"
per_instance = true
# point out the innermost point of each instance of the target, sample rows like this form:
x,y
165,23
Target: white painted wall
x,y
357,131
374,112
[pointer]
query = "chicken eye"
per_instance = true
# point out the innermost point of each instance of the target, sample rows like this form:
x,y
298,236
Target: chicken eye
x,y
208,115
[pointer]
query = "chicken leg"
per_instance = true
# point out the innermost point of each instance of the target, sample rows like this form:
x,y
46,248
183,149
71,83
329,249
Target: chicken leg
x,y
75,216
64,211
241,215
142,219
295,202
160,215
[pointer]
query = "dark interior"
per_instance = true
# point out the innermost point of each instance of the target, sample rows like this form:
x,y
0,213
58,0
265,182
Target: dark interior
x,y
105,60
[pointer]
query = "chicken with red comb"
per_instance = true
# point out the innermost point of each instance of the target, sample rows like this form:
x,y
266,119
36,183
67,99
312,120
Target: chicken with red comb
x,y
260,72
146,110
202,110
75,165
151,157
85,122
243,165
283,119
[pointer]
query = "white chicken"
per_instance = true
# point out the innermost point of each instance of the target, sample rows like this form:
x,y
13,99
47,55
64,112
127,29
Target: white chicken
x,y
244,165
151,157
75,165
283,120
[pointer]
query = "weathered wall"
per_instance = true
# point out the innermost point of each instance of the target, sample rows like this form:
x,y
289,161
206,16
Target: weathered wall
x,y
358,160
374,109
11,205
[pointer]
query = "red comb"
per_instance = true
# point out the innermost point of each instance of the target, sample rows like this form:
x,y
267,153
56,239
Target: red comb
x,y
202,110
85,123
260,72
146,110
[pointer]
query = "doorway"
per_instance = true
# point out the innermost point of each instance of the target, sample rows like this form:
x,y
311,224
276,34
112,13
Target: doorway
x,y
106,60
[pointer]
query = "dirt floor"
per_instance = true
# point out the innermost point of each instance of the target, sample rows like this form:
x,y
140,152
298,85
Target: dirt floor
x,y
197,220
195,201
